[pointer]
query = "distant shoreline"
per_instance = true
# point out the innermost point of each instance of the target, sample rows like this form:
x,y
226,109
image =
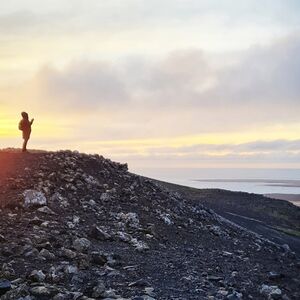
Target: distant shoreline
x,y
265,182
293,198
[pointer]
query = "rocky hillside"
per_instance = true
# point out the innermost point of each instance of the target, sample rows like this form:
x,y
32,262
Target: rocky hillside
x,y
77,226
277,220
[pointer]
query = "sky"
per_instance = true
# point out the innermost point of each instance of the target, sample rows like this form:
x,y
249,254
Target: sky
x,y
168,83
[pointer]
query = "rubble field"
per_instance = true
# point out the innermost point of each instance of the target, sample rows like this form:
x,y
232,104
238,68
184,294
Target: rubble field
x,y
78,226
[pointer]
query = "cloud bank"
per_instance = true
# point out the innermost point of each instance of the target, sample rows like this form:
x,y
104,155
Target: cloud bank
x,y
186,92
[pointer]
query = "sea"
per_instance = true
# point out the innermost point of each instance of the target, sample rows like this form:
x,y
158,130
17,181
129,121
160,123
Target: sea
x,y
259,181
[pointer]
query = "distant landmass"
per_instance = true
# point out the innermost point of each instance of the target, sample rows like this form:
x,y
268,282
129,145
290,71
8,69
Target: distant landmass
x,y
266,182
295,199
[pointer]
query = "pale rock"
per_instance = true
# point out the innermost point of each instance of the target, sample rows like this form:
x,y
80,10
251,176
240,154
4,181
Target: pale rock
x,y
81,244
271,291
139,245
34,198
46,210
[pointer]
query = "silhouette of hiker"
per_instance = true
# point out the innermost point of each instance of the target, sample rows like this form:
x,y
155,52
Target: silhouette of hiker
x,y
25,127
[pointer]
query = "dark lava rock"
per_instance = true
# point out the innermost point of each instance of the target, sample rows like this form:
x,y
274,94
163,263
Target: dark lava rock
x,y
140,283
5,286
99,234
275,276
92,229
98,258
214,278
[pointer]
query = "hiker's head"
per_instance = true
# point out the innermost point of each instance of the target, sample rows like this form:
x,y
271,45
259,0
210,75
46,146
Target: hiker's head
x,y
24,115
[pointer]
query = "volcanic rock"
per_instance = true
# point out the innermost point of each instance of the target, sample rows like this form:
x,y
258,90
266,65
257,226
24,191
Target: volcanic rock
x,y
5,286
34,198
90,229
271,291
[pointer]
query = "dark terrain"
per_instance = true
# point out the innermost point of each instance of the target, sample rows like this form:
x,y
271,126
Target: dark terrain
x,y
276,220
289,197
77,226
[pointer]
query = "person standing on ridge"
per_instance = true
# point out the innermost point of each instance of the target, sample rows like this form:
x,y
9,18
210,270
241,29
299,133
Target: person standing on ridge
x,y
25,127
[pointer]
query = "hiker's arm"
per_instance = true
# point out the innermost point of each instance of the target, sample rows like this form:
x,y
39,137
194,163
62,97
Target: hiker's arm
x,y
31,121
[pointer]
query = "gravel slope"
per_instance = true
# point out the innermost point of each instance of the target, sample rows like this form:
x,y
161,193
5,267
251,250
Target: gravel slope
x,y
76,226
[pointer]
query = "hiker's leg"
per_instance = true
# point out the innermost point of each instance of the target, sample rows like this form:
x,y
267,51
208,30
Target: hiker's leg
x,y
25,145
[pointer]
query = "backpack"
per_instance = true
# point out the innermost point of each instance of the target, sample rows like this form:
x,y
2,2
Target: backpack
x,y
21,125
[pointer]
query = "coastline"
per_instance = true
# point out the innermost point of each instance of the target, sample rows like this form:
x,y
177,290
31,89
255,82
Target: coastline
x,y
265,182
293,198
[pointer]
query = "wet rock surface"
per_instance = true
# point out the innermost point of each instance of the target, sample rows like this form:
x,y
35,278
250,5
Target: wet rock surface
x,y
96,231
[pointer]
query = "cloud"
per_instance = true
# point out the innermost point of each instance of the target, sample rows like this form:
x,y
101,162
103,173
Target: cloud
x,y
115,28
266,74
264,78
133,11
81,86
255,154
271,146
274,147
26,22
184,93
